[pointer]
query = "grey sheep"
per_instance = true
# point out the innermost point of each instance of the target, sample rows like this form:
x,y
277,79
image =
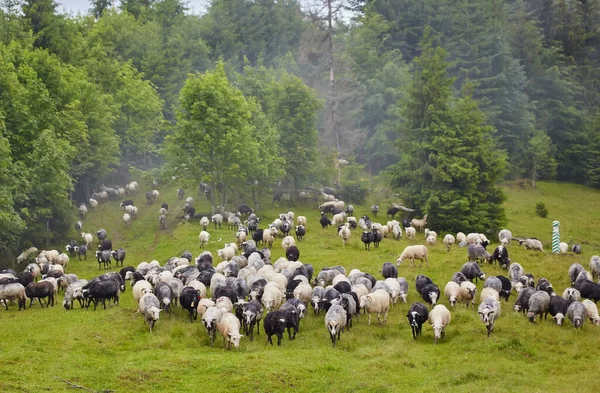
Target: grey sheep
x,y
488,311
515,271
403,288
539,304
477,253
522,302
595,266
472,271
493,282
458,277
576,313
574,271
335,321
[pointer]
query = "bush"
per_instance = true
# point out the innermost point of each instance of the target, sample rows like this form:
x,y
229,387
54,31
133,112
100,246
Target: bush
x,y
353,193
541,210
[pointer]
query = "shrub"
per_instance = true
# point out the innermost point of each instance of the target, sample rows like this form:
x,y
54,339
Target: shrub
x,y
353,193
541,209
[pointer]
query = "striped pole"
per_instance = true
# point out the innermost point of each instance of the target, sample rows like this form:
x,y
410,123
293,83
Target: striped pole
x,y
555,237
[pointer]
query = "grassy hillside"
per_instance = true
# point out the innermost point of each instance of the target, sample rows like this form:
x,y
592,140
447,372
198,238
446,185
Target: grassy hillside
x,y
113,349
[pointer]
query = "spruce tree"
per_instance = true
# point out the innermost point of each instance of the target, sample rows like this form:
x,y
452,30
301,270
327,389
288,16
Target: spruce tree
x,y
450,161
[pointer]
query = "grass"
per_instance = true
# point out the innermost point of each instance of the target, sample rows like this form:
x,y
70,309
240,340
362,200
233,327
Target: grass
x,y
113,349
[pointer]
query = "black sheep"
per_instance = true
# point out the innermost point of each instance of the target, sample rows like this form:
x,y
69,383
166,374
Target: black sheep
x,y
257,235
102,290
576,249
180,193
377,237
328,296
127,202
342,287
501,255
25,278
389,270
292,254
245,210
292,319
300,232
274,324
103,258
187,255
324,220
417,316
101,234
40,290
72,247
544,285
123,271
105,245
405,223
588,289
367,238
226,291
251,315
471,271
189,211
430,293
506,287
558,308
291,286
392,211
421,281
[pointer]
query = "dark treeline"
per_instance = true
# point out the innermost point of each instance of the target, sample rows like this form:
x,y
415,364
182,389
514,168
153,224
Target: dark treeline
x,y
85,98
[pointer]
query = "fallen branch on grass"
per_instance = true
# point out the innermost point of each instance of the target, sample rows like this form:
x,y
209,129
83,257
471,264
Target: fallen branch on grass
x,y
75,386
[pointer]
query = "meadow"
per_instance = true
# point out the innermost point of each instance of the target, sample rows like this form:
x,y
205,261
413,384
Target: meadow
x,y
113,349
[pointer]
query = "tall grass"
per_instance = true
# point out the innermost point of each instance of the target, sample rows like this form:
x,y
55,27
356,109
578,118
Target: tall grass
x,y
113,349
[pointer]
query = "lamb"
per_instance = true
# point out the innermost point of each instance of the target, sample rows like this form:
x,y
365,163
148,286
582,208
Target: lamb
x,y
439,318
344,234
149,307
505,237
204,238
477,253
335,321
558,308
412,253
539,303
376,302
12,291
489,310
229,328
417,315
449,241
388,270
571,294
595,266
591,311
467,293
452,292
419,224
472,271
577,313
532,244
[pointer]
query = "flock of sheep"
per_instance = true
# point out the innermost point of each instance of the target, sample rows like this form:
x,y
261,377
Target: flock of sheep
x,y
247,289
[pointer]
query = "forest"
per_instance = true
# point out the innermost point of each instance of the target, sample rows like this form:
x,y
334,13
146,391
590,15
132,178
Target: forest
x,y
440,99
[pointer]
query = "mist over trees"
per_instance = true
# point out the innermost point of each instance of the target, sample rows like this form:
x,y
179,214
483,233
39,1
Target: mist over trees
x,y
304,83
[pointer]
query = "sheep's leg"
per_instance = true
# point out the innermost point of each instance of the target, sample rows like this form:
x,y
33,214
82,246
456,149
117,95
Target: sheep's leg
x,y
369,319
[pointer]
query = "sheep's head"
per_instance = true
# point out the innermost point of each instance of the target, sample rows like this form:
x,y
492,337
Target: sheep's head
x,y
332,327
399,261
559,318
412,318
531,316
577,322
452,300
517,307
484,315
433,296
437,330
595,320
234,338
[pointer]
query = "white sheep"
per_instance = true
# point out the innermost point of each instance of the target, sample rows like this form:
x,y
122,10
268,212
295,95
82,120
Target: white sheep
x,y
224,304
489,293
131,187
129,209
376,302
163,211
473,238
303,292
204,237
203,305
268,237
287,242
360,290
449,241
563,247
439,318
532,244
63,259
461,237
467,293
134,211
226,253
204,222
126,220
452,292
394,287
155,195
271,298
344,234
505,237
411,233
82,210
412,253
592,311
431,240
93,203
301,220
140,288
149,306
571,294
338,219
339,278
419,224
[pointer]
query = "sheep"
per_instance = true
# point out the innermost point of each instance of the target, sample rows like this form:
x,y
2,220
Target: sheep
x,y
577,313
126,220
515,272
588,289
189,299
501,255
539,303
489,293
291,316
344,234
388,270
63,260
493,282
34,269
271,298
226,253
431,240
563,247
131,187
82,210
40,290
452,292
149,307
335,321
104,257
544,285
574,271
522,302
411,233
439,318
505,237
204,238
12,291
477,253
576,249
531,244
395,289
467,293
155,195
140,288
472,271
506,287
558,308
287,242
367,238
473,238
461,237
417,315
449,241
93,203
571,294
419,224
376,302
107,287
489,310
412,253
229,328
217,219
595,266
592,311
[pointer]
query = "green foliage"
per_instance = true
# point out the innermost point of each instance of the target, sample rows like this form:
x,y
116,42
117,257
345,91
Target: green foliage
x,y
541,210
449,165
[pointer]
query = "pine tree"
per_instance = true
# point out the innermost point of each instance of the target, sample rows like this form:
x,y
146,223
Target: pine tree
x,y
450,164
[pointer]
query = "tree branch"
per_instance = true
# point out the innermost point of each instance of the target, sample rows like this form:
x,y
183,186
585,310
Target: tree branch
x,y
72,385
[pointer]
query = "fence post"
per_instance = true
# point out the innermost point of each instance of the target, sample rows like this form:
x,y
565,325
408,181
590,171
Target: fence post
x,y
555,237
